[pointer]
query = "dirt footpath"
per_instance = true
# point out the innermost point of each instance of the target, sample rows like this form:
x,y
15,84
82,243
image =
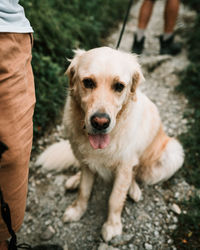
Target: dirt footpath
x,y
149,223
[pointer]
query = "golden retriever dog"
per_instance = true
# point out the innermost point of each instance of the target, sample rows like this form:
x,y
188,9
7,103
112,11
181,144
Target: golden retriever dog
x,y
114,130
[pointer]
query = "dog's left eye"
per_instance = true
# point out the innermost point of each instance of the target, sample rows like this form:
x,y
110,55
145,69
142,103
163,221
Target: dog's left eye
x,y
118,87
89,83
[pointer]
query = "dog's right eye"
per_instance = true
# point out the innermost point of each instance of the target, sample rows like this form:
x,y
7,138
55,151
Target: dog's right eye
x,y
89,83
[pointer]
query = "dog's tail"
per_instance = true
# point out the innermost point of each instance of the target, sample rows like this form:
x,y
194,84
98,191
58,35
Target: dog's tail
x,y
58,156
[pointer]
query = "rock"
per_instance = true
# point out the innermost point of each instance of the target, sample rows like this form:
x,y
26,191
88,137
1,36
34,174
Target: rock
x,y
121,239
148,246
104,246
48,233
175,208
65,247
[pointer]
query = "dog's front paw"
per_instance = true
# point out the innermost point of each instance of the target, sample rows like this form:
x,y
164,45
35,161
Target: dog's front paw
x,y
73,213
110,230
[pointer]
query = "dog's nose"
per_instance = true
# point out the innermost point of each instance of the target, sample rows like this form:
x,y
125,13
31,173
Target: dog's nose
x,y
100,121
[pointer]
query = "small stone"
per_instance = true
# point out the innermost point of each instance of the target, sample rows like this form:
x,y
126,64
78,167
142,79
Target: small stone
x,y
48,233
49,175
156,233
89,238
104,246
177,195
148,246
172,227
65,247
127,210
48,222
170,241
175,208
121,239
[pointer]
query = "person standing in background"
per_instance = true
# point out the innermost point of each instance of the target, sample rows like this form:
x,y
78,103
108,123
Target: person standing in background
x,y
167,44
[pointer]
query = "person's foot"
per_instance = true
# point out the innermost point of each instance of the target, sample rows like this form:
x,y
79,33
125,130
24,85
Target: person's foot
x,y
168,46
138,46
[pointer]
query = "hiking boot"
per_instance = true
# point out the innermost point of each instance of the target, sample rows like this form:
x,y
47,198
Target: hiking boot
x,y
168,46
138,46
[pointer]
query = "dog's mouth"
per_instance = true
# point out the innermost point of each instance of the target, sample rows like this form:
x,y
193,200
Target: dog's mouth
x,y
99,141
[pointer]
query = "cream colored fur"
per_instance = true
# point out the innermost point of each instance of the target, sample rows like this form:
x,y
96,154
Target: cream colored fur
x,y
58,156
139,149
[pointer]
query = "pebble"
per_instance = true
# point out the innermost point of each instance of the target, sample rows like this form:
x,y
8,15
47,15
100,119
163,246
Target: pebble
x,y
156,233
48,233
148,246
65,247
104,246
121,239
175,208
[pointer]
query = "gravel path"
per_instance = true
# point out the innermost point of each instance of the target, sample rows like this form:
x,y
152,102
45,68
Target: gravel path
x,y
147,224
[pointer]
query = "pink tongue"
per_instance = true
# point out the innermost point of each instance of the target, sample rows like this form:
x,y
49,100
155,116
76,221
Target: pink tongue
x,y
99,141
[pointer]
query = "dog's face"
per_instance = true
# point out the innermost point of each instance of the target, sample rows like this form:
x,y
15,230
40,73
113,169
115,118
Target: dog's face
x,y
102,80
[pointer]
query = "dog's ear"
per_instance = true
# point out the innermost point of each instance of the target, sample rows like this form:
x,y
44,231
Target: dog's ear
x,y
71,71
137,78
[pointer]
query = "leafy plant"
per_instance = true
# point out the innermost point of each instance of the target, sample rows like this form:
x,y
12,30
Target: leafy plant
x,y
187,235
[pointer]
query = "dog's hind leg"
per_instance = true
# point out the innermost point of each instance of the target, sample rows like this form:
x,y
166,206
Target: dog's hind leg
x,y
170,160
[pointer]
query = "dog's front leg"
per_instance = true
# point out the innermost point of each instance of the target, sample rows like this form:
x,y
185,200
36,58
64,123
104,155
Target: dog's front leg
x,y
77,209
113,225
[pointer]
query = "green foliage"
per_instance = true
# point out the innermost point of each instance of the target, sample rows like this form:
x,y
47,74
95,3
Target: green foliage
x,y
194,4
59,27
50,91
187,235
190,86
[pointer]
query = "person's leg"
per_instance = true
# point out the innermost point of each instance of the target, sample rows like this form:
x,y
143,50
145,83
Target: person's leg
x,y
145,13
170,15
17,99
143,20
167,45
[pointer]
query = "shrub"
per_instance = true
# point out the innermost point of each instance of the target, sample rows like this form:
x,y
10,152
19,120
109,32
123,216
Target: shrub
x,y
190,86
50,92
187,235
189,238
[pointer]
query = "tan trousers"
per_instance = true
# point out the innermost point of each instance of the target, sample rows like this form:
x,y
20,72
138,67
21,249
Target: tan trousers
x,y
17,100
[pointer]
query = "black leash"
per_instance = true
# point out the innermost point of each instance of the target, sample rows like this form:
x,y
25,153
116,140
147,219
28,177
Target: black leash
x,y
124,23
5,213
